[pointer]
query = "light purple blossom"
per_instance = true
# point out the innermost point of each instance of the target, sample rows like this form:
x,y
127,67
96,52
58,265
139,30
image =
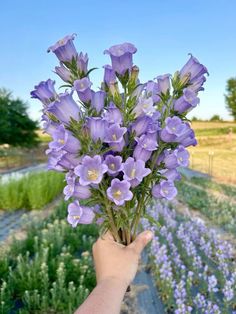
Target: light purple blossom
x,y
97,100
97,128
83,89
63,139
109,74
176,158
45,92
163,83
165,189
135,171
144,148
114,164
91,170
61,160
141,124
82,63
74,189
119,192
65,108
121,57
114,137
63,72
64,49
78,214
188,101
144,107
152,90
113,114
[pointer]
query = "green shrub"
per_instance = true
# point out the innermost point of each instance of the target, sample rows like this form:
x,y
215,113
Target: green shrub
x,y
32,191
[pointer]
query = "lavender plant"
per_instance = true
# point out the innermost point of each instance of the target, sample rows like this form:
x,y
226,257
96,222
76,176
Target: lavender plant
x,y
122,144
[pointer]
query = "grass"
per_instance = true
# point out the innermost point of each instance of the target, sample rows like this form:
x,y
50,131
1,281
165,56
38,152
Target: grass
x,y
32,191
216,150
51,271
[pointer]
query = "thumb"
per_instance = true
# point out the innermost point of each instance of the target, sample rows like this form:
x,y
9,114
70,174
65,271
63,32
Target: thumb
x,y
141,241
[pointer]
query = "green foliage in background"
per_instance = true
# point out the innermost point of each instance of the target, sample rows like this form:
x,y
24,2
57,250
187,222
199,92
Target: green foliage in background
x,y
51,271
230,97
32,191
16,128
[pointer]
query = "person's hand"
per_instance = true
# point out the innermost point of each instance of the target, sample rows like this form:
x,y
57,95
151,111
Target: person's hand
x,y
116,262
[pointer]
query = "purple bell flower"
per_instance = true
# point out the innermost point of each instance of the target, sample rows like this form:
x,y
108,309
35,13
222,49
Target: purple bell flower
x,y
135,171
119,192
140,126
144,148
188,101
194,69
114,137
74,189
109,75
45,92
144,107
78,214
91,170
114,164
63,72
121,57
82,63
165,189
65,108
83,89
152,90
97,100
97,128
61,160
170,174
64,49
63,139
113,114
163,83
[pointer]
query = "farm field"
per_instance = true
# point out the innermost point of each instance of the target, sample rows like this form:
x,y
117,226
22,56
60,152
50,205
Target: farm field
x,y
215,153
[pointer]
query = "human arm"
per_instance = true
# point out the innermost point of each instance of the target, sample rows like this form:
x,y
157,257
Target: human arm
x,y
116,266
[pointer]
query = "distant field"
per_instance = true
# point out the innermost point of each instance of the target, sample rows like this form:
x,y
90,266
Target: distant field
x,y
216,150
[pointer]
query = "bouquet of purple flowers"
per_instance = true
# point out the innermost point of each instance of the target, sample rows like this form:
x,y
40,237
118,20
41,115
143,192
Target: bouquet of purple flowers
x,y
121,145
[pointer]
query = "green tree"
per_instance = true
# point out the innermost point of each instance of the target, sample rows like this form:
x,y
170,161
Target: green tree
x,y
16,128
216,117
230,97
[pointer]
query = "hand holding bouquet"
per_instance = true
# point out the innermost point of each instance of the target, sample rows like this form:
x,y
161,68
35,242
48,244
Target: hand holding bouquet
x,y
121,145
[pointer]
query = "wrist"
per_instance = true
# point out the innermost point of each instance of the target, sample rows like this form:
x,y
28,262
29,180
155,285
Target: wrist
x,y
114,282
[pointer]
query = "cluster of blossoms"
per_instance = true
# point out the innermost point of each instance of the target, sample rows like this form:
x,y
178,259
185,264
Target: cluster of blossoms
x,y
122,144
194,268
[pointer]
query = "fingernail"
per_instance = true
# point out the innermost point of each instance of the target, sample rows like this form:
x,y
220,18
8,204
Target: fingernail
x,y
149,235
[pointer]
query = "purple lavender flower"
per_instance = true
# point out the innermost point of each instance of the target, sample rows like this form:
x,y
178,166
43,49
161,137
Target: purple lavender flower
x,y
194,69
64,49
83,89
119,192
65,108
165,189
82,63
74,189
109,74
144,148
63,139
78,214
134,171
212,284
188,101
114,164
121,57
91,170
113,114
63,72
45,92
114,137
140,126
163,83
228,291
144,107
97,128
97,100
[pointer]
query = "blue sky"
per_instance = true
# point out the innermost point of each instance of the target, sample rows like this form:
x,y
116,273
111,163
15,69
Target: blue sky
x,y
163,31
